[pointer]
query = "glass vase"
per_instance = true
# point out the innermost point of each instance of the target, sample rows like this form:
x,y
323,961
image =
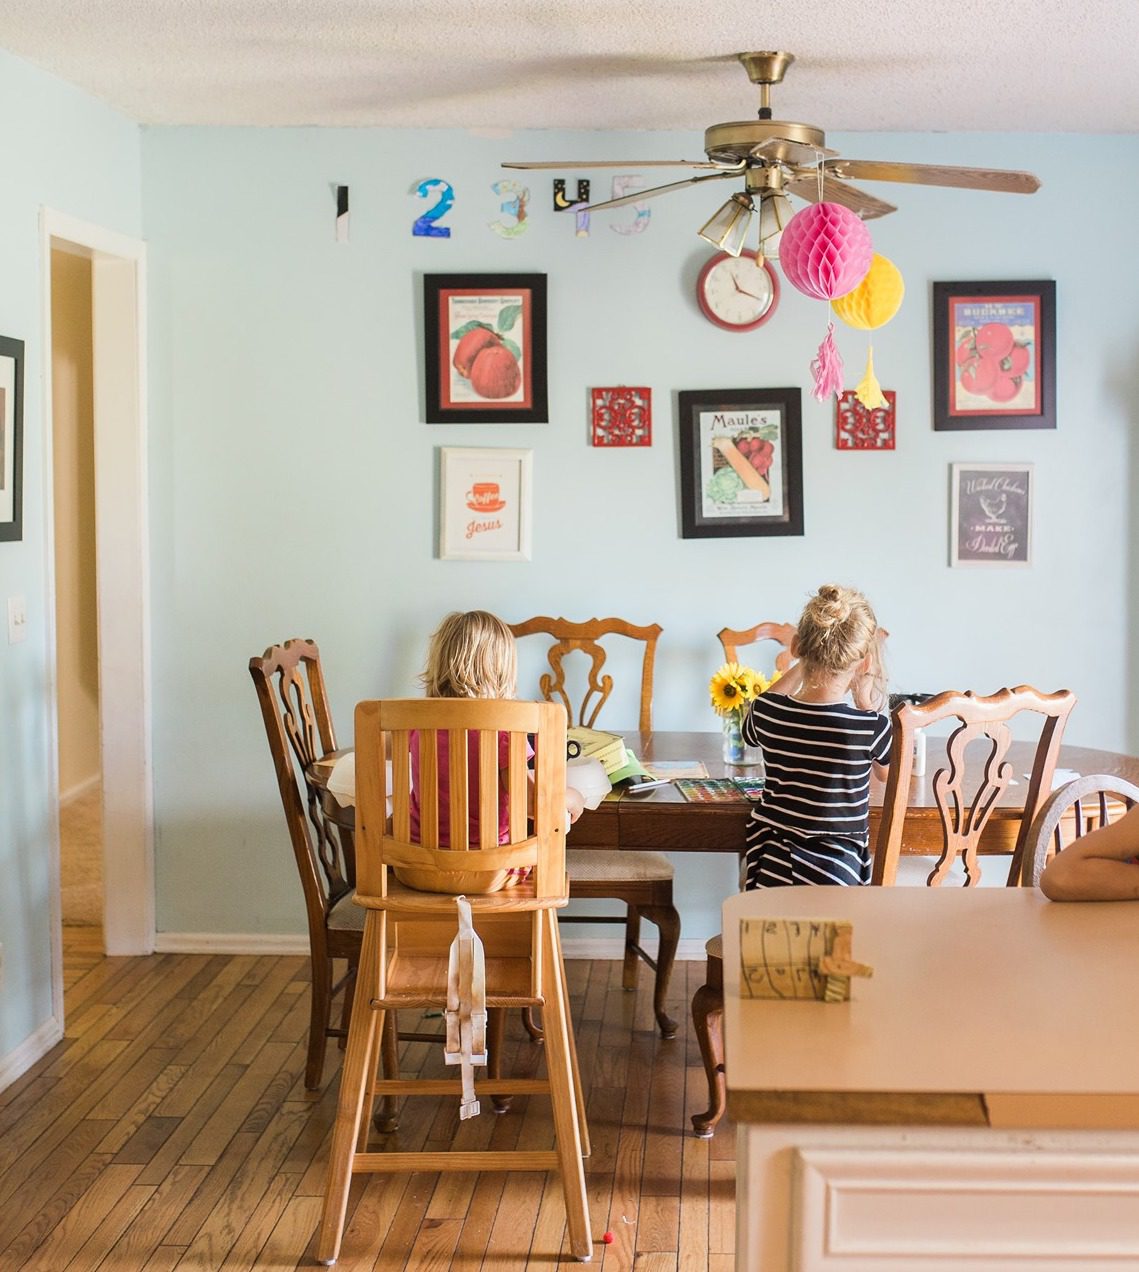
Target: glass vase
x,y
735,751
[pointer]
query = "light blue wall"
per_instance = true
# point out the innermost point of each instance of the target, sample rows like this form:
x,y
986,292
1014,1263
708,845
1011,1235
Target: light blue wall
x,y
64,150
294,484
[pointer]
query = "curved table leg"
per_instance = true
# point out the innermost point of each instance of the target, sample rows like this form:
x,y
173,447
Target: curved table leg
x,y
707,1018
668,922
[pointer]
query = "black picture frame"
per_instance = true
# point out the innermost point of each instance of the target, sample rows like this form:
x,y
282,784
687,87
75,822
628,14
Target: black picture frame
x,y
512,307
736,504
973,387
11,440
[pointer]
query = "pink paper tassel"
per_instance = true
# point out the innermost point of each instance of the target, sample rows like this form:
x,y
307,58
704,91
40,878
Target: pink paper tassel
x,y
827,367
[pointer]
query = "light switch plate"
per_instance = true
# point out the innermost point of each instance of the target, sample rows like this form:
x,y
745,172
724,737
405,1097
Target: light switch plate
x,y
17,620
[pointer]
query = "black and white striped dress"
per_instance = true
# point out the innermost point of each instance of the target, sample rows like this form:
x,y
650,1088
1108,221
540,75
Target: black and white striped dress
x,y
812,821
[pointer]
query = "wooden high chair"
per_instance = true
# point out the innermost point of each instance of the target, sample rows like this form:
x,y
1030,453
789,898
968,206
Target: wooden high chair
x,y
407,934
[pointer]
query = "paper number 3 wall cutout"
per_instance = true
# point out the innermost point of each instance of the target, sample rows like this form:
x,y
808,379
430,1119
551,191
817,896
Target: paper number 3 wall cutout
x,y
427,225
514,204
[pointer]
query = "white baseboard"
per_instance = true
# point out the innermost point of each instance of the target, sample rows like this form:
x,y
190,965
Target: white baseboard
x,y
610,947
80,789
230,943
33,1047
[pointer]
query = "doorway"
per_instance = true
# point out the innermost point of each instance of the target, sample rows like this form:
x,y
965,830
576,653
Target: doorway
x,y
98,602
76,585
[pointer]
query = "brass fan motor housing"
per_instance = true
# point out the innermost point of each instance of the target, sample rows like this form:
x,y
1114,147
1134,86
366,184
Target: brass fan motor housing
x,y
731,143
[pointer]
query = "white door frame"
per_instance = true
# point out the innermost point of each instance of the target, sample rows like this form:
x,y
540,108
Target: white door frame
x,y
118,303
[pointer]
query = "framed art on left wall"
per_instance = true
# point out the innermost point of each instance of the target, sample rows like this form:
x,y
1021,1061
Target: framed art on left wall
x,y
11,439
484,343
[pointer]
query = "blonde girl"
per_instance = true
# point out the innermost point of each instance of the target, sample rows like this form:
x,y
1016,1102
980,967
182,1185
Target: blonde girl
x,y
811,824
470,655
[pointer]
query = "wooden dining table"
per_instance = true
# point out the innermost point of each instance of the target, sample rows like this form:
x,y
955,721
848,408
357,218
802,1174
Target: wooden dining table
x,y
662,820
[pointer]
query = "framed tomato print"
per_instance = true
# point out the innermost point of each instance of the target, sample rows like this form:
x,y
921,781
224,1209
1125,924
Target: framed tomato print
x,y
990,514
484,504
994,355
741,463
485,348
11,439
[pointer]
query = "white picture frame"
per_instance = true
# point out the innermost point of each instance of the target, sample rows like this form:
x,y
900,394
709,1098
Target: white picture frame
x,y
484,503
991,512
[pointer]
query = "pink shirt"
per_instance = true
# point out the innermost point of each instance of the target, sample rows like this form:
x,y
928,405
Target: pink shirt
x,y
444,761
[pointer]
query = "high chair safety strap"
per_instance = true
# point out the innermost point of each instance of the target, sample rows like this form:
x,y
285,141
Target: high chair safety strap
x,y
466,1007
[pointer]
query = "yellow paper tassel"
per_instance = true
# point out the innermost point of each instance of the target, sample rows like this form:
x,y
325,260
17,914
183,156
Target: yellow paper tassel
x,y
868,391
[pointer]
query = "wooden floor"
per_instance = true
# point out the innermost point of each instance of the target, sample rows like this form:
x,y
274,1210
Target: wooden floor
x,y
171,1129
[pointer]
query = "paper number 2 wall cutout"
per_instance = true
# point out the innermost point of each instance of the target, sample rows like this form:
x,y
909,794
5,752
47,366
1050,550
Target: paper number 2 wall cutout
x,y
426,226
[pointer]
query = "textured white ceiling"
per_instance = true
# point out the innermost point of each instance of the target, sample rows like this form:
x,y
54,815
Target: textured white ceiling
x,y
912,65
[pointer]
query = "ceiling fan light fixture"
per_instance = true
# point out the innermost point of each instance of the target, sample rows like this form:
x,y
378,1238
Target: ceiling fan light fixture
x,y
727,227
775,211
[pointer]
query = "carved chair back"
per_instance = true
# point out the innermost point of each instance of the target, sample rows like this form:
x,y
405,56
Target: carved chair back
x,y
294,705
781,633
1084,805
984,720
586,638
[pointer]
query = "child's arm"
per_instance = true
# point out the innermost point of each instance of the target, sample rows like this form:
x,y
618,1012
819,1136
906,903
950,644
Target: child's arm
x,y
1097,867
575,805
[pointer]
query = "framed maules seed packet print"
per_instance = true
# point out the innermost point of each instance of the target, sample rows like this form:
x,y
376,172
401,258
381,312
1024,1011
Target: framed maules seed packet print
x,y
994,355
11,439
484,504
741,463
991,514
485,348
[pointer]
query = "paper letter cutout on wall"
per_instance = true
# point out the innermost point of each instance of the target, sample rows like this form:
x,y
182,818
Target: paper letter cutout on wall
x,y
561,204
624,184
425,226
514,204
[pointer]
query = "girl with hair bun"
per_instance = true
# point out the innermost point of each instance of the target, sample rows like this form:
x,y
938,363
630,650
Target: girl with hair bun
x,y
811,824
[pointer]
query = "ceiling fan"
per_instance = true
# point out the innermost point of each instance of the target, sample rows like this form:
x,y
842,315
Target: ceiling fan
x,y
776,158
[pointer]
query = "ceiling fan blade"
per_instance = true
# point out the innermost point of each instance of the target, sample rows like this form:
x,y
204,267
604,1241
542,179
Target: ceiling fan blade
x,y
806,186
784,150
629,164
651,193
1002,180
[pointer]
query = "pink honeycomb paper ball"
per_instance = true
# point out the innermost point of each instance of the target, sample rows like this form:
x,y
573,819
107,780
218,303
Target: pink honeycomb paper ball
x,y
825,251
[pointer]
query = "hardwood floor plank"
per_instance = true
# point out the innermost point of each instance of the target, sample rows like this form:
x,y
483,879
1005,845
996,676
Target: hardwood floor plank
x,y
80,1221
147,1233
171,1130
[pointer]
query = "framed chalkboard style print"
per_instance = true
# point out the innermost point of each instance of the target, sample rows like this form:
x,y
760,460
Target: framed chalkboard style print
x,y
991,514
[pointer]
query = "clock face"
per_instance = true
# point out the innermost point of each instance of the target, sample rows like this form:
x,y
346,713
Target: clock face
x,y
737,292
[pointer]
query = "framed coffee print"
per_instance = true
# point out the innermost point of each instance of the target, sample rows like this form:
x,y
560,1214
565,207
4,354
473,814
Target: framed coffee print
x,y
11,439
485,348
741,463
994,355
990,514
484,504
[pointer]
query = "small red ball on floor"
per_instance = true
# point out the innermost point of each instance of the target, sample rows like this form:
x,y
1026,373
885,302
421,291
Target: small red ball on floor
x,y
607,1238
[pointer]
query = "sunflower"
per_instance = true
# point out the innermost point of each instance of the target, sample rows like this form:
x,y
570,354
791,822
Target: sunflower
x,y
732,688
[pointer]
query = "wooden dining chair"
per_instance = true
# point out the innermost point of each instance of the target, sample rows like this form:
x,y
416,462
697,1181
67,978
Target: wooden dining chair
x,y
642,880
982,721
963,815
404,961
1083,805
781,633
298,722
294,705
